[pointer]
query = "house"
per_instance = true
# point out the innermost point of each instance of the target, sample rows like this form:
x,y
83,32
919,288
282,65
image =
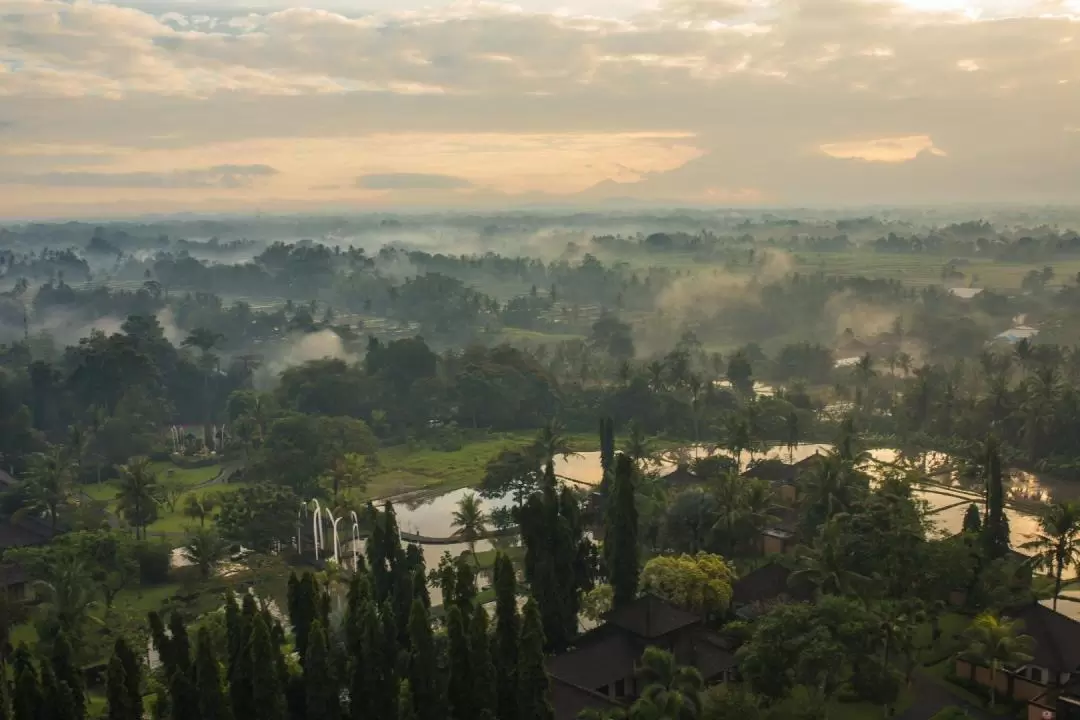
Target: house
x,y
965,293
14,582
600,671
680,477
783,476
1050,682
1016,334
764,586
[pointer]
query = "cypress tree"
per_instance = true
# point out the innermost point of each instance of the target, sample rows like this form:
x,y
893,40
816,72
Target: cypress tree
x,y
320,690
26,697
132,675
403,600
213,703
419,586
58,702
405,709
242,664
423,668
117,698
483,672
607,448
973,520
505,645
63,663
234,628
534,689
304,613
996,530
376,555
268,697
620,533
291,594
366,692
185,702
461,685
391,652
161,641
464,586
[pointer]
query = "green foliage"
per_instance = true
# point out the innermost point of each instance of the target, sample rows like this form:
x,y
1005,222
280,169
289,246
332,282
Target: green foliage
x,y
212,698
506,640
701,583
621,550
268,697
534,690
258,516
462,681
423,672
321,692
118,700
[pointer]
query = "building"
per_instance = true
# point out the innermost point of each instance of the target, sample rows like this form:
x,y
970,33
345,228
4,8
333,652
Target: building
x,y
1016,334
1050,682
600,671
768,585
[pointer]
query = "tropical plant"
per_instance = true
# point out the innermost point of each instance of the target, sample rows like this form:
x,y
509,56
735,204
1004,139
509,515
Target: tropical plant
x,y
1057,546
137,499
48,484
470,520
199,507
205,549
996,643
824,565
69,594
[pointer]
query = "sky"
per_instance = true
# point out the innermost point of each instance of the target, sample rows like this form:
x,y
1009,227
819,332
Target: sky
x,y
207,106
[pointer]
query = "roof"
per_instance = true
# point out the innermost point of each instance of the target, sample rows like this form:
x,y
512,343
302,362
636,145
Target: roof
x,y
1057,638
28,531
965,293
649,617
768,582
12,574
600,658
1016,334
772,470
568,700
680,476
787,519
710,657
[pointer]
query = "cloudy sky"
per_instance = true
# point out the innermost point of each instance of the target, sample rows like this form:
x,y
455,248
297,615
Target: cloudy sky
x,y
231,105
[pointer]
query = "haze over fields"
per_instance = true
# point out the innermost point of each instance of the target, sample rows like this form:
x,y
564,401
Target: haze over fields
x,y
161,106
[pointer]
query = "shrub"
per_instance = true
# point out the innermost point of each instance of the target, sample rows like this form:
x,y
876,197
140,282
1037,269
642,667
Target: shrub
x,y
154,562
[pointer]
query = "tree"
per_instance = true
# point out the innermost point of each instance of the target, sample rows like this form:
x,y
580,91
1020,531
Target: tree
x,y
507,631
205,549
483,671
349,472
69,675
117,700
972,520
1057,546
700,583
132,677
213,702
48,484
671,691
423,672
740,373
199,507
320,689
268,696
825,565
137,501
996,644
534,690
26,698
461,683
620,533
996,529
259,516
405,708
470,521
69,592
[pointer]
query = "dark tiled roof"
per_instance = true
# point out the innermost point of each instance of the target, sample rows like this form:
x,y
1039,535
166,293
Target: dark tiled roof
x,y
650,617
600,658
568,700
765,584
28,531
787,519
710,657
772,470
1057,637
680,476
12,574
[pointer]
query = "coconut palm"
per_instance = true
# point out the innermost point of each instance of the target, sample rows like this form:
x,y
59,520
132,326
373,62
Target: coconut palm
x,y
199,507
735,437
470,521
1057,546
637,445
205,549
793,434
48,484
69,594
824,564
996,644
552,441
137,499
672,692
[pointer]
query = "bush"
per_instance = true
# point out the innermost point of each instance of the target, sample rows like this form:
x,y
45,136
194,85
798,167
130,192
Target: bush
x,y
154,562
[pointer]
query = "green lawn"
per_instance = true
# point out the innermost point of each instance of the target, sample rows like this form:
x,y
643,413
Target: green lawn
x,y
868,711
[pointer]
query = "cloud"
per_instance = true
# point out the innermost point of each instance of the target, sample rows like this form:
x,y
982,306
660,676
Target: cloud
x,y
747,101
219,176
412,181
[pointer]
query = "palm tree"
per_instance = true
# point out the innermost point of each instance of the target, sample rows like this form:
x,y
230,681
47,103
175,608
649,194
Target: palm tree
x,y
637,444
792,432
205,340
735,437
48,484
656,372
70,594
904,361
199,507
996,643
552,441
672,692
1057,546
824,564
470,521
205,549
138,494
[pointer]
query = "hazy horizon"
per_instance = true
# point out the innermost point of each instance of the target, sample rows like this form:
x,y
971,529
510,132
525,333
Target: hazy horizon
x,y
153,107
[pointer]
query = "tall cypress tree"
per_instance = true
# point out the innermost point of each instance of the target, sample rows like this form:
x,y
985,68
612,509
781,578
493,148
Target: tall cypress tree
x,y
505,645
621,533
268,697
213,702
405,708
403,597
26,699
117,698
368,697
132,675
233,628
464,586
58,702
996,529
607,445
184,700
419,586
483,672
534,690
305,610
461,684
161,641
319,687
242,664
423,665
395,657
63,662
